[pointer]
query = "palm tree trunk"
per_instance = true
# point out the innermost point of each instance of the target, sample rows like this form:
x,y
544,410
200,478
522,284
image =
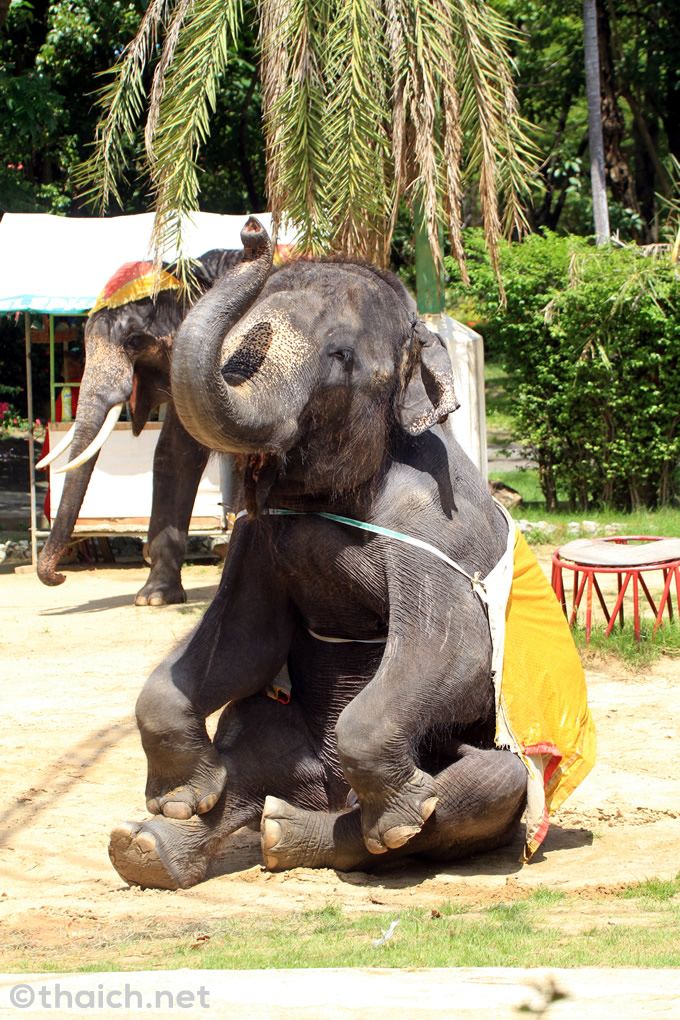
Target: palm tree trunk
x,y
597,176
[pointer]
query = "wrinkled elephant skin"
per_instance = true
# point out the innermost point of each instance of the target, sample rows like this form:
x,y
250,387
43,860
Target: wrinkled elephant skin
x,y
128,352
322,376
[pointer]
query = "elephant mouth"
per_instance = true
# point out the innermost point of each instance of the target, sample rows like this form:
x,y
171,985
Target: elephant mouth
x,y
248,358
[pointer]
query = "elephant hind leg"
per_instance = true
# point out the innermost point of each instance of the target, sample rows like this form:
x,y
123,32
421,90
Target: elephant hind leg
x,y
480,800
482,796
161,853
295,838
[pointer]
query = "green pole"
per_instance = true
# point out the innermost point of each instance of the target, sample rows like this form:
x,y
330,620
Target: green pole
x,y
52,393
429,278
31,437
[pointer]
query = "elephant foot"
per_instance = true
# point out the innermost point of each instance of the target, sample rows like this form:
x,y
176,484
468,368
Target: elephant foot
x,y
295,838
158,854
157,594
392,820
194,793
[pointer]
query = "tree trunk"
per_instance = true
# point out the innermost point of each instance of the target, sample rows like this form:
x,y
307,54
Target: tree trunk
x,y
645,177
613,125
597,174
546,481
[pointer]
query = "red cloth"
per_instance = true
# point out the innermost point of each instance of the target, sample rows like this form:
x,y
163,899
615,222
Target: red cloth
x,y
128,271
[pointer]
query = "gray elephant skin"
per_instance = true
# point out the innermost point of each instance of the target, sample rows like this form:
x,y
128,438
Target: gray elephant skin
x,y
128,352
321,375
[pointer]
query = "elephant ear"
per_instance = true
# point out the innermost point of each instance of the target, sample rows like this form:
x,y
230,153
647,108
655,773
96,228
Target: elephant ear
x,y
429,397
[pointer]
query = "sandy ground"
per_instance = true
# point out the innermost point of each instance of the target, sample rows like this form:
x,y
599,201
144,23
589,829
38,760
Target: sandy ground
x,y
74,659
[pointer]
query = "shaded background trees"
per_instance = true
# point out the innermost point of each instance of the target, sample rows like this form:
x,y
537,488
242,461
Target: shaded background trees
x,y
639,50
52,50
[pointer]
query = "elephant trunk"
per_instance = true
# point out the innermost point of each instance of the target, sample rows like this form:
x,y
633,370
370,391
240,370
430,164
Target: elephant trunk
x,y
107,381
210,410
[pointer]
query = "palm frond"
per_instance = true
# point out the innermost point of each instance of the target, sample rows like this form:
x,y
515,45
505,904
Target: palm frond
x,y
188,95
167,56
356,127
294,107
122,100
365,102
500,151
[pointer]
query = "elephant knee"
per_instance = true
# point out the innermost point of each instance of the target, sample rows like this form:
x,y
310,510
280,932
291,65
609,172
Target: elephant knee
x,y
161,708
366,745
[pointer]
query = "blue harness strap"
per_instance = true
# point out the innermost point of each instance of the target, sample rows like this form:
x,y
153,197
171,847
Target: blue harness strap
x,y
478,585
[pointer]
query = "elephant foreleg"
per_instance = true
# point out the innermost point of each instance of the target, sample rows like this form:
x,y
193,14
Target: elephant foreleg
x,y
414,693
237,650
178,464
265,748
480,799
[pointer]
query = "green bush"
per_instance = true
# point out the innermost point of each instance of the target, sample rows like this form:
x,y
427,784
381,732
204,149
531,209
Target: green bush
x,y
591,341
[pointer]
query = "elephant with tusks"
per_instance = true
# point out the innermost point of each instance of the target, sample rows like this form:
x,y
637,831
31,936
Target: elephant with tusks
x,y
128,350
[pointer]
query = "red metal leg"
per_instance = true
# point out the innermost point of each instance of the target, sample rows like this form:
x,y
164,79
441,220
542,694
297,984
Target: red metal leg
x,y
665,596
618,578
646,591
558,585
619,603
601,598
589,606
577,597
636,605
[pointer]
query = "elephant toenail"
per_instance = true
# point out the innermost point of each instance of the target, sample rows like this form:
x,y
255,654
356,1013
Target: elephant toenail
x,y
177,809
146,842
271,835
208,803
399,835
428,807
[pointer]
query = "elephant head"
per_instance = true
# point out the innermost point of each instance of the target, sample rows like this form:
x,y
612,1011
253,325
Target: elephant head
x,y
128,350
289,368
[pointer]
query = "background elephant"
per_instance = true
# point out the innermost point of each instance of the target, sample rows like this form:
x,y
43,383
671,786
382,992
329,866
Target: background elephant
x,y
128,352
322,376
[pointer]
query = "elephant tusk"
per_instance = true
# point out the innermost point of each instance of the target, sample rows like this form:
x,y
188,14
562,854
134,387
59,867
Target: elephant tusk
x,y
62,445
98,441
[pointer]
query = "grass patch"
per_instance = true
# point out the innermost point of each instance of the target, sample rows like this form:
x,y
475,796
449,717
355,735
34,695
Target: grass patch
x,y
524,481
499,425
656,889
525,932
664,522
622,645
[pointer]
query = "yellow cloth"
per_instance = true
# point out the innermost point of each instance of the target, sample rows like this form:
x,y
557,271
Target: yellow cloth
x,y
543,698
136,290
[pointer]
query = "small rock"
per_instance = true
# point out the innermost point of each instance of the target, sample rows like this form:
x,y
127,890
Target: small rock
x,y
590,527
573,528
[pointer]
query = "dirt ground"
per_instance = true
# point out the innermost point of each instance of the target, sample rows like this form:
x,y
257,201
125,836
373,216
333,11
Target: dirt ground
x,y
74,660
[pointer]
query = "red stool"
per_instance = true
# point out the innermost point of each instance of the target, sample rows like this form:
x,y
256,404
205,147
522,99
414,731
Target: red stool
x,y
614,555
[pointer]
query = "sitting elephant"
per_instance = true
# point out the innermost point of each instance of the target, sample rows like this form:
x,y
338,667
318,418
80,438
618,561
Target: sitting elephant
x,y
352,581
128,348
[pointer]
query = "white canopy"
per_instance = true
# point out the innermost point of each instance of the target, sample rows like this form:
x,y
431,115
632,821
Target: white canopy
x,y
59,265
